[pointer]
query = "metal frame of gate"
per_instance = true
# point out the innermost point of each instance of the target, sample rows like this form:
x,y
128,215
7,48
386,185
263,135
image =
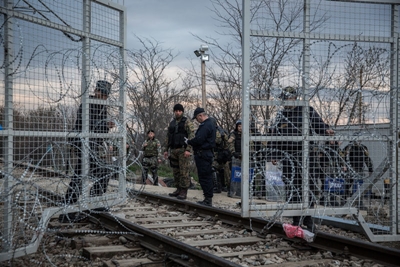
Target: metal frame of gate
x,y
251,208
87,34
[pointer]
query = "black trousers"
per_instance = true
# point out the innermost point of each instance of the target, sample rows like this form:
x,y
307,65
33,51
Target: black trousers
x,y
293,179
204,160
97,170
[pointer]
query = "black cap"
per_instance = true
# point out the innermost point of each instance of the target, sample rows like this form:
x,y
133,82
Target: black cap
x,y
197,111
238,122
104,87
150,131
179,107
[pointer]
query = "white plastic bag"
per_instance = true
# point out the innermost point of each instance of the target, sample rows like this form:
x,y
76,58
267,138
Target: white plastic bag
x,y
274,186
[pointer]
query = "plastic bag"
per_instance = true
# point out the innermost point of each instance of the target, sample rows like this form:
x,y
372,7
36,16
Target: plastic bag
x,y
275,188
296,231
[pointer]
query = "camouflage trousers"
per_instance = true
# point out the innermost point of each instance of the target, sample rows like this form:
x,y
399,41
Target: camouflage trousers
x,y
149,164
180,167
226,169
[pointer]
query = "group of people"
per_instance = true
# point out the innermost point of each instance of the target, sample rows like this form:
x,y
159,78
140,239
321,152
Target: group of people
x,y
182,142
289,153
213,149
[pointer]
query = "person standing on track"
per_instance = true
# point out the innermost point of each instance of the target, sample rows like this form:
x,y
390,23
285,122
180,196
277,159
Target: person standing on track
x,y
98,169
357,158
203,145
179,152
289,122
151,157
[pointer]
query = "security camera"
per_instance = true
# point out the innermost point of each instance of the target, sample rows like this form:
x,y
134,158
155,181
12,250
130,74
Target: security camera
x,y
203,48
197,53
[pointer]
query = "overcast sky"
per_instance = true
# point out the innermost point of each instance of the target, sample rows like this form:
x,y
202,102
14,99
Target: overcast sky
x,y
171,23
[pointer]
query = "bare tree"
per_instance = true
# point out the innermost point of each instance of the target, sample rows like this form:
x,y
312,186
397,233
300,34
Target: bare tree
x,y
364,73
151,90
268,56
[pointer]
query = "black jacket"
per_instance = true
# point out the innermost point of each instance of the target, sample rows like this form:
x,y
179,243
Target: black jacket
x,y
290,123
205,137
97,123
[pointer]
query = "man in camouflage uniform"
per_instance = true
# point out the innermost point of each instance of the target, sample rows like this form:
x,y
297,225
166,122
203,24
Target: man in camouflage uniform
x,y
221,160
179,152
235,146
151,157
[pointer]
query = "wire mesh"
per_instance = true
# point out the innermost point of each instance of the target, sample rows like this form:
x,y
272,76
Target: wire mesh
x,y
63,127
323,123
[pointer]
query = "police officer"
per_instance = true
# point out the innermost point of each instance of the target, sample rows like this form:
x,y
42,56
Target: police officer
x,y
289,122
203,145
356,157
98,169
151,157
179,152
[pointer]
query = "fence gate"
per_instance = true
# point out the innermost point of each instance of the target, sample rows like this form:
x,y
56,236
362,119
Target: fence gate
x,y
53,55
310,66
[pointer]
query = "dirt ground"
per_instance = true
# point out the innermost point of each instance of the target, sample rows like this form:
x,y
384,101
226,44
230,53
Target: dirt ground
x,y
193,195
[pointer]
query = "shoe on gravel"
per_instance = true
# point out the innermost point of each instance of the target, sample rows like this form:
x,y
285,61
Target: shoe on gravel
x,y
206,202
175,193
66,218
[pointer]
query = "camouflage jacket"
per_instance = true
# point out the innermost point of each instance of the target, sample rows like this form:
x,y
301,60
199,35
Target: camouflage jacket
x,y
152,148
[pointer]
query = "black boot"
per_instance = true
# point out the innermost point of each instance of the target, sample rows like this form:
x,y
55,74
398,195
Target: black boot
x,y
206,202
221,174
155,181
175,193
296,220
144,177
67,218
309,223
72,217
182,194
361,206
217,183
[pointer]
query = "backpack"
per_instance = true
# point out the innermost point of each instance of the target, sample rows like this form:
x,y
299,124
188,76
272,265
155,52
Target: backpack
x,y
223,153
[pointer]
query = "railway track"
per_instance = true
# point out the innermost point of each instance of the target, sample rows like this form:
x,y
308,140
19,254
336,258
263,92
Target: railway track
x,y
158,230
164,231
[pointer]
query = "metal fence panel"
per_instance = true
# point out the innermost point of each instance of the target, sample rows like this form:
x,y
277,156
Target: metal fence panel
x,y
56,52
310,68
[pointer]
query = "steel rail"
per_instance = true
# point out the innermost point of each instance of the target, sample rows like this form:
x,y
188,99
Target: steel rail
x,y
325,241
177,251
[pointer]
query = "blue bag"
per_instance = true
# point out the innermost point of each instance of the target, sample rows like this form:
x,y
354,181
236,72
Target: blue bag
x,y
334,185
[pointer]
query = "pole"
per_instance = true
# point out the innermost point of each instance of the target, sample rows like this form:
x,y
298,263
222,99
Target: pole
x,y
203,84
